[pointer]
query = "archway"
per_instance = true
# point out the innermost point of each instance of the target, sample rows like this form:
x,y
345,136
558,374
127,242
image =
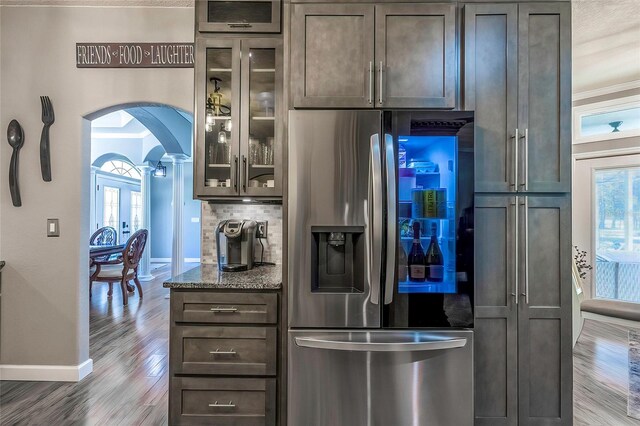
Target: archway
x,y
147,135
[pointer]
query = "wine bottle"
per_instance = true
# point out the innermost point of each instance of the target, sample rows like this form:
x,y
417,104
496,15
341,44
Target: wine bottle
x,y
416,256
434,259
403,267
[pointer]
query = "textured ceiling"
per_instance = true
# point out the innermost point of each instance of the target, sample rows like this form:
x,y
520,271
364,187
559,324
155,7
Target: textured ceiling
x,y
101,3
606,43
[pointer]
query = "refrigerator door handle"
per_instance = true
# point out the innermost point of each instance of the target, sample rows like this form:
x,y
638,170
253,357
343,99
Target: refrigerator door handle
x,y
375,253
391,219
338,345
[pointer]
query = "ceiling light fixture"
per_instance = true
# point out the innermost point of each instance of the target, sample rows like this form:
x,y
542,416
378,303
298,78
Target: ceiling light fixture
x,y
160,170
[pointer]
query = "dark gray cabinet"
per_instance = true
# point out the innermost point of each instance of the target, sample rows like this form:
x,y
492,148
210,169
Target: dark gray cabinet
x,y
545,361
415,55
544,96
523,360
238,118
365,56
517,72
332,55
496,317
223,357
238,16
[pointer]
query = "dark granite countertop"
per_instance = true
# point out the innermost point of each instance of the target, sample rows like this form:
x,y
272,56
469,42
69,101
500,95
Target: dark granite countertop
x,y
267,277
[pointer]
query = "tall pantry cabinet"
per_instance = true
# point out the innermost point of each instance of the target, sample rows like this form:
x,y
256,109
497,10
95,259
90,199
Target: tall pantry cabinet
x,y
517,79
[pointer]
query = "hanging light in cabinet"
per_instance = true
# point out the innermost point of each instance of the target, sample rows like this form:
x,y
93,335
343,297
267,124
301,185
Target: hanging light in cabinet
x,y
214,102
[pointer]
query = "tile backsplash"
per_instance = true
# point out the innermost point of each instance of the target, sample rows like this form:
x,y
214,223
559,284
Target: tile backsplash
x,y
212,214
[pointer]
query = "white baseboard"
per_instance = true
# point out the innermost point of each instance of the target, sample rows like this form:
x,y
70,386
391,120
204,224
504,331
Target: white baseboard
x,y
46,373
168,260
145,278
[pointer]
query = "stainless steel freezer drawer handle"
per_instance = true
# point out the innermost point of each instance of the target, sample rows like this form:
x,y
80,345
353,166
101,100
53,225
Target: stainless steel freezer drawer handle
x,y
309,342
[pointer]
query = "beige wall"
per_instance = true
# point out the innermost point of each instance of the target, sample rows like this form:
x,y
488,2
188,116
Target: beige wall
x,y
45,290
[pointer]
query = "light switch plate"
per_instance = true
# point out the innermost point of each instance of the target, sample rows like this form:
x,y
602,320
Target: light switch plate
x,y
261,229
53,228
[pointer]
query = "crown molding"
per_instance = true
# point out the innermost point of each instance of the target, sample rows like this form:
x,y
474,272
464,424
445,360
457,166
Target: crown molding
x,y
603,91
101,3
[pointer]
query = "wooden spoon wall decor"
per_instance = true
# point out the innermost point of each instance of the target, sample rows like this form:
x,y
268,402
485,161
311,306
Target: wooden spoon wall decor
x,y
15,135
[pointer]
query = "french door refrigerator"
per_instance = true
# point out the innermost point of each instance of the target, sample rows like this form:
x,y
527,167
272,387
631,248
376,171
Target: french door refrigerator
x,y
380,268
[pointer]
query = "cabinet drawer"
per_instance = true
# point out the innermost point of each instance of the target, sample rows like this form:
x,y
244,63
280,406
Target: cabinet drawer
x,y
224,350
238,16
221,402
224,308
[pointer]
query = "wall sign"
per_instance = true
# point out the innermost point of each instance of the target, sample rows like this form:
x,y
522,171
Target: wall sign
x,y
134,55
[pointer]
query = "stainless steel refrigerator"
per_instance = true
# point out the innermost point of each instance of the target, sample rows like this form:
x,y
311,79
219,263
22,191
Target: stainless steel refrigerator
x,y
380,268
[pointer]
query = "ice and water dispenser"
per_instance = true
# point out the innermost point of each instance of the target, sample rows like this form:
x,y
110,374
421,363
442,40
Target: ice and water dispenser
x,y
338,259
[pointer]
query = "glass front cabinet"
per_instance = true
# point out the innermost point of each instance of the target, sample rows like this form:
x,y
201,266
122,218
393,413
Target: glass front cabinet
x,y
238,126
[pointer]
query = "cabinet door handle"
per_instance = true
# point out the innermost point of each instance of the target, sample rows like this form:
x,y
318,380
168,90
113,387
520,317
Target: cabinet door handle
x,y
370,82
237,173
514,168
526,250
514,206
223,310
246,173
219,352
229,405
525,179
380,71
239,25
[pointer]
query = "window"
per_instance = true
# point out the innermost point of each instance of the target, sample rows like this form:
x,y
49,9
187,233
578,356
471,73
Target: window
x,y
122,168
111,213
618,118
617,233
136,211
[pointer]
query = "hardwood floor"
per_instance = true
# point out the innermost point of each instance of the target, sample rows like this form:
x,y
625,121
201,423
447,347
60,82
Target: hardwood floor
x,y
601,376
128,385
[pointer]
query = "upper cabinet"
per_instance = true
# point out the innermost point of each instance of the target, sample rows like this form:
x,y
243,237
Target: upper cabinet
x,y
238,148
517,79
368,56
416,55
238,16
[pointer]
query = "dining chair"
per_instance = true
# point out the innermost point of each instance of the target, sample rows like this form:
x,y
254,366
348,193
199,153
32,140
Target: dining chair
x,y
105,236
123,269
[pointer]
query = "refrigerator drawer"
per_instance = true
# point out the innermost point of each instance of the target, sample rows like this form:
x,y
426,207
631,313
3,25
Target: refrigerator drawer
x,y
231,402
224,350
224,308
344,378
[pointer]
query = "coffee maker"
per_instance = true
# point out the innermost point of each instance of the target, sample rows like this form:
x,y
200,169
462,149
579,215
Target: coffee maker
x,y
235,240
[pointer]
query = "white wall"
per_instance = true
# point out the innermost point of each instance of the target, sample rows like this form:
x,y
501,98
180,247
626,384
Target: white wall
x,y
45,290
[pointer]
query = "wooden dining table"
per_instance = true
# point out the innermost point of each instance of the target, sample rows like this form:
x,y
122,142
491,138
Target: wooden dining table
x,y
106,250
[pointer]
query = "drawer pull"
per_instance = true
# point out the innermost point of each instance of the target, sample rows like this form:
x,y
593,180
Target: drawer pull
x,y
219,352
224,310
229,405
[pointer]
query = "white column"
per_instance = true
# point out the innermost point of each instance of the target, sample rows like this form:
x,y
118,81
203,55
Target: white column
x,y
93,220
177,252
144,274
